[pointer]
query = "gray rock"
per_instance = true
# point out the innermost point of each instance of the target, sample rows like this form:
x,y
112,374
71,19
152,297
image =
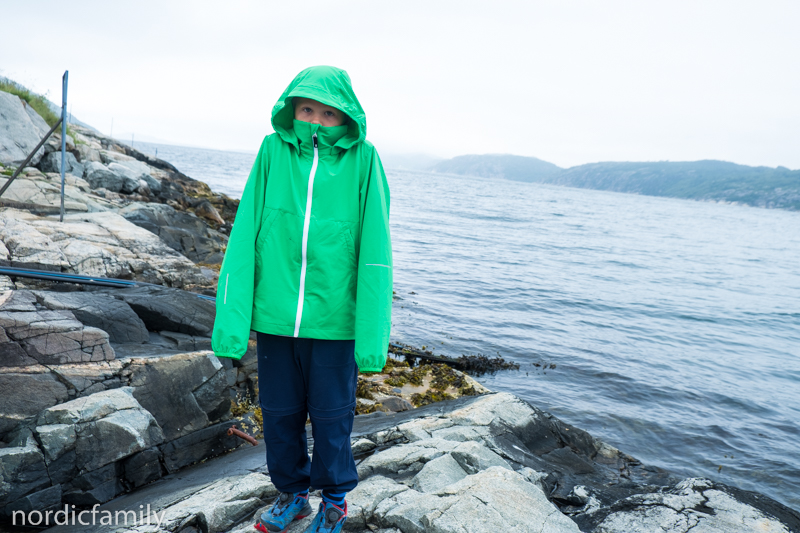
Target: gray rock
x,y
17,301
20,130
89,151
462,433
101,311
101,177
89,408
220,505
362,446
496,499
98,310
53,337
397,460
537,478
33,187
52,163
694,504
362,501
85,379
199,445
19,404
115,436
423,427
95,244
437,474
55,439
110,156
138,170
206,210
153,184
83,440
6,283
26,244
22,470
98,486
182,231
164,309
43,500
395,404
143,467
189,343
411,511
165,387
213,398
130,178
474,457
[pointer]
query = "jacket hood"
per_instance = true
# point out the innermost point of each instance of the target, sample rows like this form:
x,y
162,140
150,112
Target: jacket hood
x,y
331,86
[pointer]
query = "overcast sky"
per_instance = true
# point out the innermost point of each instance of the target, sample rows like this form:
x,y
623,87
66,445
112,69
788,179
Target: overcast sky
x,y
570,82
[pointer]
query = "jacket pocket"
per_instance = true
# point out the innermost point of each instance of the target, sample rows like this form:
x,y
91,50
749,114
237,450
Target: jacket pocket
x,y
350,244
270,215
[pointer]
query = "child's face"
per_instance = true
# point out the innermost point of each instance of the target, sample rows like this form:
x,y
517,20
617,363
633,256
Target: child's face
x,y
309,110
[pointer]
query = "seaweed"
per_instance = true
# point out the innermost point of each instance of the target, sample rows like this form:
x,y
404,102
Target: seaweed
x,y
396,381
364,389
478,365
365,408
444,377
430,396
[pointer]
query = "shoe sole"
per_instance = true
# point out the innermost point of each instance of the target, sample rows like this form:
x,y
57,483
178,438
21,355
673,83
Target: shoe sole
x,y
263,529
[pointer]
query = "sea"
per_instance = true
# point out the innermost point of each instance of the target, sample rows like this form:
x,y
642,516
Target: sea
x,y
668,328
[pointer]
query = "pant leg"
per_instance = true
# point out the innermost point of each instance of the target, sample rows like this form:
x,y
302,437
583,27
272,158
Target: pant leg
x,y
333,376
282,395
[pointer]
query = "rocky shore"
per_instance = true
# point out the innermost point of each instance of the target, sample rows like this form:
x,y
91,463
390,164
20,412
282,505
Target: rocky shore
x,y
113,401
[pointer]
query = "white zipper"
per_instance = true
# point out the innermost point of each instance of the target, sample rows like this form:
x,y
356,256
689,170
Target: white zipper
x,y
306,224
225,299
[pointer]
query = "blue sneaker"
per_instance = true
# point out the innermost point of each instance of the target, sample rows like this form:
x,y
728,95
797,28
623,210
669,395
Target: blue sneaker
x,y
330,519
287,507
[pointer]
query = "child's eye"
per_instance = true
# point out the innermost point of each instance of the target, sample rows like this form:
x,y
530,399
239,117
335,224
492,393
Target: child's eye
x,y
330,114
307,110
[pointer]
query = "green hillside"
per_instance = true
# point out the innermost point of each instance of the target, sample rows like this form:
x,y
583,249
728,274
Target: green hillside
x,y
698,180
505,166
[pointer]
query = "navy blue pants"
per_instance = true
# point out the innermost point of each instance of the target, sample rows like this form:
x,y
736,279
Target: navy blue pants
x,y
300,378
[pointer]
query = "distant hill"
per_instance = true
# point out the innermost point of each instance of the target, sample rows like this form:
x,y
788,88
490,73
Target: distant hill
x,y
698,180
504,166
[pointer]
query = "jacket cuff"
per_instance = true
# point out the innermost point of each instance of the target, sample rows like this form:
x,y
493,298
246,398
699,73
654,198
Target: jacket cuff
x,y
228,354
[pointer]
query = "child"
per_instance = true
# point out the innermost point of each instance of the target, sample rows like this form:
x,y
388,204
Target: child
x,y
309,268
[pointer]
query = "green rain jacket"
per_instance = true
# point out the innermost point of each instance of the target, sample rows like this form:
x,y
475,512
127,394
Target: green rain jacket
x,y
310,253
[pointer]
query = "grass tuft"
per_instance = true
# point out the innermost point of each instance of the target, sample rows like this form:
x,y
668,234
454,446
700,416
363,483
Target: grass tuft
x,y
36,101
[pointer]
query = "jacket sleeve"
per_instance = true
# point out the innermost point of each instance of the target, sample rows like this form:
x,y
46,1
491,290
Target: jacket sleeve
x,y
374,289
237,275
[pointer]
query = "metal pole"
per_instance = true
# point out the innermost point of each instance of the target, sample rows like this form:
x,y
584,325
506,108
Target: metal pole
x,y
63,135
30,156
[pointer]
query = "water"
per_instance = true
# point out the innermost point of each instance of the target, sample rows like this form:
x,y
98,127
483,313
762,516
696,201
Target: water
x,y
674,326
224,172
